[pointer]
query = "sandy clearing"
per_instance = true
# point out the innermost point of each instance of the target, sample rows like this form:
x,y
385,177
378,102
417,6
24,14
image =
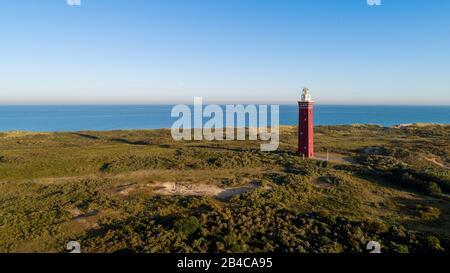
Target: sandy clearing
x,y
189,188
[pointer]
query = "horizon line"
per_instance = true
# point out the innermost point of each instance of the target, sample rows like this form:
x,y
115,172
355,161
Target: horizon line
x,y
215,103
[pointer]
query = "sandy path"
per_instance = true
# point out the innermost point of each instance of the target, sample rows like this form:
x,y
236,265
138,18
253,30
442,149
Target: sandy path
x,y
189,188
434,161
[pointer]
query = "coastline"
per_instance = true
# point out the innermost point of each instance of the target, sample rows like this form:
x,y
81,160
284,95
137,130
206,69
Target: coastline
x,y
399,126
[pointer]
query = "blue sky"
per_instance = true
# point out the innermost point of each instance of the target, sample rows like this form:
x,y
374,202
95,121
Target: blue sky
x,y
250,51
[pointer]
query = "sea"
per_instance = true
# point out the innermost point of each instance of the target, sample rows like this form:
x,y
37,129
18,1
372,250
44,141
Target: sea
x,y
69,118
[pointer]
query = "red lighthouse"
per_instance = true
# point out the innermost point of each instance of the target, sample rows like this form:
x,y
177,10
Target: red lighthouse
x,y
305,125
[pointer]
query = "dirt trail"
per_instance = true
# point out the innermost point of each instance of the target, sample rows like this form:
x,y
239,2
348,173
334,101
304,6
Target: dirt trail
x,y
434,161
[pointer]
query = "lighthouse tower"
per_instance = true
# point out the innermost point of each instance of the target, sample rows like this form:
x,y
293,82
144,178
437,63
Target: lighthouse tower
x,y
305,125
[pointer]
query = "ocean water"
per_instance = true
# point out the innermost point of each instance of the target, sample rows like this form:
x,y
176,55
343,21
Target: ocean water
x,y
113,117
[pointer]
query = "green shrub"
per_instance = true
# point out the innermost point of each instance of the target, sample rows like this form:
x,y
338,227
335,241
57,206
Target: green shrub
x,y
429,213
399,248
433,243
187,226
433,189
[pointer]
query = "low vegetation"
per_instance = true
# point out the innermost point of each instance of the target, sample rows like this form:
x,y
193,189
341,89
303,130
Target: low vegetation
x,y
389,185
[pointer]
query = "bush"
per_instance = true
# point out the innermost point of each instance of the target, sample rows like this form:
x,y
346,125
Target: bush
x,y
188,226
429,213
399,248
442,179
433,189
434,243
334,180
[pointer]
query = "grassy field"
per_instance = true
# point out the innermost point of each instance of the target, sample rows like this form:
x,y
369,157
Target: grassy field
x,y
140,191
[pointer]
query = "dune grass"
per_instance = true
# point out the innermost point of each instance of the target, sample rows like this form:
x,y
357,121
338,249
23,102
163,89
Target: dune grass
x,y
388,184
